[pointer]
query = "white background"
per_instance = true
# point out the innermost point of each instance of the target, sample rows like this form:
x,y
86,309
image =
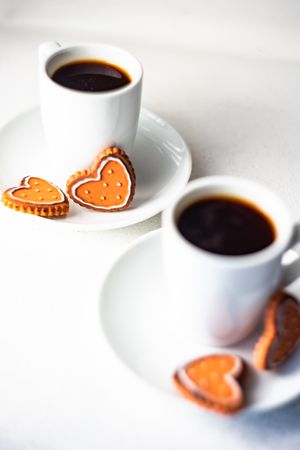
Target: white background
x,y
226,74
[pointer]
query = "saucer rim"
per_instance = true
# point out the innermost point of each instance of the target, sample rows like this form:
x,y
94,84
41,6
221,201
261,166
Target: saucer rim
x,y
157,207
247,411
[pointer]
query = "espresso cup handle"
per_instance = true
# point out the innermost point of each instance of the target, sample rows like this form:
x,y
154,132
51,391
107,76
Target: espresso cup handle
x,y
46,49
291,271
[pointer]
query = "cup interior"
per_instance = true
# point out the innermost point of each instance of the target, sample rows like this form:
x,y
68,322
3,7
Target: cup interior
x,y
102,52
261,197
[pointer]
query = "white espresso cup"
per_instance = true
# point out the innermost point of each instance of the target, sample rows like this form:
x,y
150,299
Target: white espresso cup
x,y
216,299
79,124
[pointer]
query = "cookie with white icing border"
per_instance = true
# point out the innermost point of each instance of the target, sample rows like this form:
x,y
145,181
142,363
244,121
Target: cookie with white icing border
x,y
36,196
108,186
212,382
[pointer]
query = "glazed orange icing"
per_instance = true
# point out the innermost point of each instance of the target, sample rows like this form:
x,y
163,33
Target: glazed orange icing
x,y
37,190
110,189
214,379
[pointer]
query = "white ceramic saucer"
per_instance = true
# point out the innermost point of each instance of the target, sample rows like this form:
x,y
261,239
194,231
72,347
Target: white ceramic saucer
x,y
160,157
136,324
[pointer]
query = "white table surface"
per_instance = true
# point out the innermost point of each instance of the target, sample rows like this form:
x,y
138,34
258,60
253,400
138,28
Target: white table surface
x,y
226,75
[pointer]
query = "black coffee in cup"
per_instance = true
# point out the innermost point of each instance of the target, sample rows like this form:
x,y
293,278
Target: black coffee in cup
x,y
91,76
226,226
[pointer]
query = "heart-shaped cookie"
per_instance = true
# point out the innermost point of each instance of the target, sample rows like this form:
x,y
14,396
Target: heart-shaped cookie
x,y
108,186
36,196
212,382
281,333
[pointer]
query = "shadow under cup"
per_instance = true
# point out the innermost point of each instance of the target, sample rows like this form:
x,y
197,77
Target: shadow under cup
x,y
218,299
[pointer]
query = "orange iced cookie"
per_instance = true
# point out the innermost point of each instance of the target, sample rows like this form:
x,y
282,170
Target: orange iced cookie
x,y
36,196
109,185
281,333
212,382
